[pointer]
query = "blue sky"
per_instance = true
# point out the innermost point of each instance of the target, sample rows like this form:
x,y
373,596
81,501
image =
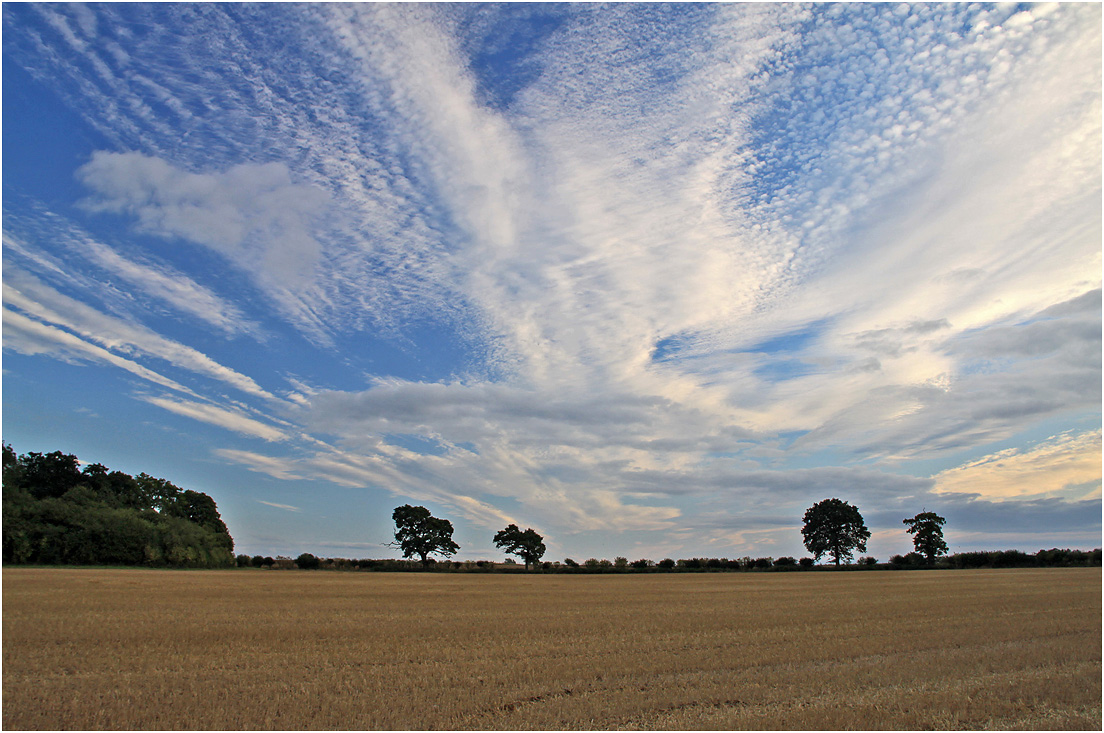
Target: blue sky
x,y
649,279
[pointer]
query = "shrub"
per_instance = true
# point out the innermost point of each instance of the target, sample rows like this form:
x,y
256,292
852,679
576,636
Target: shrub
x,y
785,562
691,564
1012,559
666,563
641,564
242,561
570,563
871,561
913,559
307,561
716,563
621,563
763,562
806,562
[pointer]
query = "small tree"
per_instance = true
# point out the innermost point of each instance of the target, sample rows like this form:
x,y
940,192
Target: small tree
x,y
926,529
834,527
417,532
527,545
307,561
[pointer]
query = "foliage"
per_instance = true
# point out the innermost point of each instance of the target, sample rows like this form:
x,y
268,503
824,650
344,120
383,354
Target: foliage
x,y
926,529
307,561
55,513
836,528
417,532
666,563
527,545
785,562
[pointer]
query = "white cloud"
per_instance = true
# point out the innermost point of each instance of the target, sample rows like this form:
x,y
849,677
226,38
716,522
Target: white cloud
x,y
48,305
42,230
29,336
253,214
229,419
285,507
1067,466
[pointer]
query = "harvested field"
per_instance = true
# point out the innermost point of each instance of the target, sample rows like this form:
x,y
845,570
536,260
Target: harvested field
x,y
981,649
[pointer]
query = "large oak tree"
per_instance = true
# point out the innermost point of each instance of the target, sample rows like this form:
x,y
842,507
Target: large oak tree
x,y
834,527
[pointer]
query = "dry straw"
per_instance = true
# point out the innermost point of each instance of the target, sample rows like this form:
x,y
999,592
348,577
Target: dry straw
x,y
250,649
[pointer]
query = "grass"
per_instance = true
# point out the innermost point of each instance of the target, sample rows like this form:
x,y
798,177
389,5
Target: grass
x,y
980,649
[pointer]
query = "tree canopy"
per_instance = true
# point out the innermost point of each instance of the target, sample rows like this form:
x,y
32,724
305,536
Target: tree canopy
x,y
56,513
527,545
417,532
926,529
836,528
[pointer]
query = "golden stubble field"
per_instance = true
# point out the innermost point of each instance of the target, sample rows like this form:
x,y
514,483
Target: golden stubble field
x,y
251,649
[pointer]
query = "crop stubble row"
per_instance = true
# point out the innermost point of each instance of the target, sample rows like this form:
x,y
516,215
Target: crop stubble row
x,y
252,649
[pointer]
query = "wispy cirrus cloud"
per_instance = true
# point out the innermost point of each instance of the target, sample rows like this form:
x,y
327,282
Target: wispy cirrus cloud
x,y
226,417
285,507
161,283
51,307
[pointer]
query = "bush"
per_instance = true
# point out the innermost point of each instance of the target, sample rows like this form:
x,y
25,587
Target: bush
x,y
666,563
642,564
806,562
785,562
570,563
763,562
716,563
242,561
307,561
870,561
621,563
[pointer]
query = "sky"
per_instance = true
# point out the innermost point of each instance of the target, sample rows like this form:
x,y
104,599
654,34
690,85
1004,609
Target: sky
x,y
649,279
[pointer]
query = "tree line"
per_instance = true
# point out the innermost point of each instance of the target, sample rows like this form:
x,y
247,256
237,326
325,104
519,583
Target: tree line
x,y
56,513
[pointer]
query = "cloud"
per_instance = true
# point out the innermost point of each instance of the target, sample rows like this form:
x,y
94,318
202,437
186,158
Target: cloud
x,y
226,418
28,336
30,233
278,468
1065,466
285,507
253,214
48,305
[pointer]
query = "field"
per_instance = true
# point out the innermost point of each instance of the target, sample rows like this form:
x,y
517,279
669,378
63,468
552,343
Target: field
x,y
974,649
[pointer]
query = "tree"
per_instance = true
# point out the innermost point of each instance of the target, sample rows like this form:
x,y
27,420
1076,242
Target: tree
x,y
834,527
307,561
527,545
420,533
926,529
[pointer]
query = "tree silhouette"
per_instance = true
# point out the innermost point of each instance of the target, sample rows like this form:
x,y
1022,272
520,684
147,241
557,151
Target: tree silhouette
x,y
926,529
417,532
527,545
834,527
